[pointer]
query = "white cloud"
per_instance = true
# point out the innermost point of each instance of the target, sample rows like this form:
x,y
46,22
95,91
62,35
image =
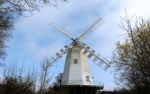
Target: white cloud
x,y
139,8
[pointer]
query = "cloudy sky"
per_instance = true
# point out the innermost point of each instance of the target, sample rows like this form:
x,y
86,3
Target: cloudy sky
x,y
33,37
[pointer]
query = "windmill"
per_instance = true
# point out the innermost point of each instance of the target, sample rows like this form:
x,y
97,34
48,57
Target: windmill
x,y
77,70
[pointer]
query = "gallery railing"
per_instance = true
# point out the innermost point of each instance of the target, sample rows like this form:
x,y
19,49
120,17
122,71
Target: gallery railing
x,y
80,82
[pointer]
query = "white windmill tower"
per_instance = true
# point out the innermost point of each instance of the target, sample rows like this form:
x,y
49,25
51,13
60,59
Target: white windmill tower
x,y
77,70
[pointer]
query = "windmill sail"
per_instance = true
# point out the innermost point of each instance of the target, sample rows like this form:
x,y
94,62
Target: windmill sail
x,y
89,29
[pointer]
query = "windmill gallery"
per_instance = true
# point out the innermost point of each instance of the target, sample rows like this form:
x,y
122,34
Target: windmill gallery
x,y
77,76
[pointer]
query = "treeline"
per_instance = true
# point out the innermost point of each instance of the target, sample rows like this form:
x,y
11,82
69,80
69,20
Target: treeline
x,y
13,85
16,81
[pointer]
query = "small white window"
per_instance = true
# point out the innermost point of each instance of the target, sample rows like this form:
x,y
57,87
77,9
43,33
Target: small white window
x,y
87,78
75,61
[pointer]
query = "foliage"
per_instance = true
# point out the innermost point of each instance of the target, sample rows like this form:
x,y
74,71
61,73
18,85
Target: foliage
x,y
44,77
132,57
16,82
17,86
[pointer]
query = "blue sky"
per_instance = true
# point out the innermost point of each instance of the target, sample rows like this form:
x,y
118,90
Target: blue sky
x,y
33,37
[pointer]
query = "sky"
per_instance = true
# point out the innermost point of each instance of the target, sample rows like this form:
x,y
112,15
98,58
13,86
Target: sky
x,y
33,37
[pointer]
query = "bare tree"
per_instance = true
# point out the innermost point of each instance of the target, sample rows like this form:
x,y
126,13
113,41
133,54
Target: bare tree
x,y
11,10
44,76
132,57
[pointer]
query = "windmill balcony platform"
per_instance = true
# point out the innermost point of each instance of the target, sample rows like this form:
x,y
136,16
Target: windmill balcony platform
x,y
81,83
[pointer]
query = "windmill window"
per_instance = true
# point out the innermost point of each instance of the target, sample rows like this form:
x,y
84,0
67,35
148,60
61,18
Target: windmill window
x,y
75,61
87,78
